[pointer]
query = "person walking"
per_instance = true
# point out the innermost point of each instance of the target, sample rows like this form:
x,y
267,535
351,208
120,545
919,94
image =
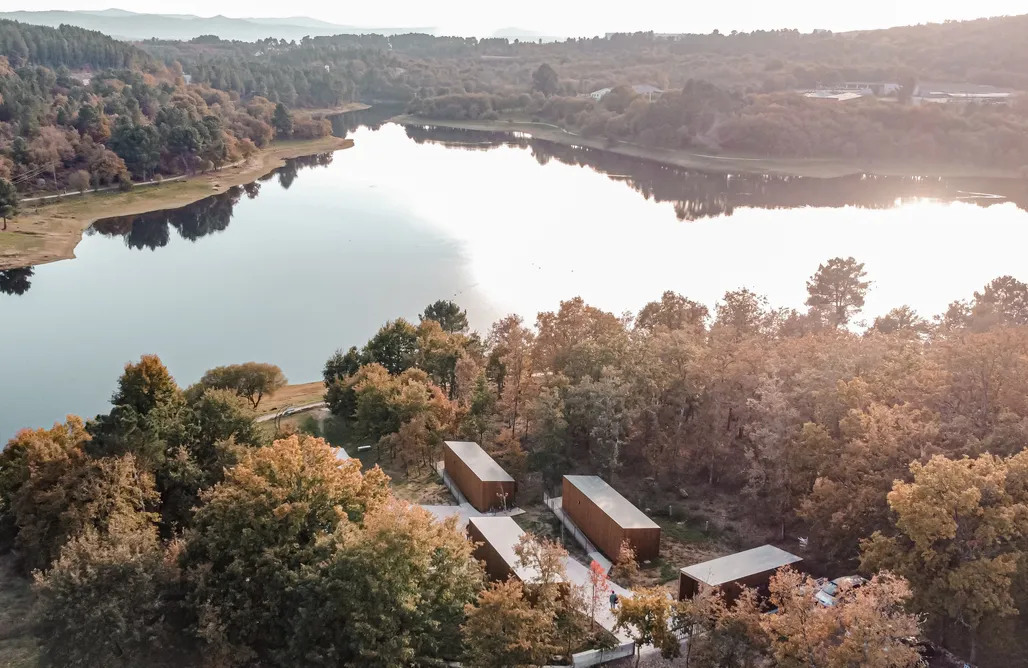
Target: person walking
x,y
613,600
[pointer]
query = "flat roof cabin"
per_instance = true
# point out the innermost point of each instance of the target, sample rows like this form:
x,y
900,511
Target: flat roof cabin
x,y
750,568
480,479
607,518
497,537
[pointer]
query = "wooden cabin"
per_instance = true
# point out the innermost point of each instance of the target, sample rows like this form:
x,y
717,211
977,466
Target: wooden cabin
x,y
479,478
607,518
751,568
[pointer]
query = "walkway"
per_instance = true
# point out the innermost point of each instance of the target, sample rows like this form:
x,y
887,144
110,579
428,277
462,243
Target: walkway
x,y
463,510
555,504
291,411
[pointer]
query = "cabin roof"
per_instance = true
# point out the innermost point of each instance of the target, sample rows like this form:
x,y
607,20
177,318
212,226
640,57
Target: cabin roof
x,y
610,501
740,565
503,534
481,464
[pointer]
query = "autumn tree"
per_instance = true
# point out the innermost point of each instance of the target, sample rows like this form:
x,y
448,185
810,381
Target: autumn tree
x,y
346,572
51,491
837,289
511,345
448,314
251,380
79,181
718,634
503,629
1003,302
868,626
146,385
960,530
597,588
109,600
902,320
551,590
625,566
672,312
646,614
8,201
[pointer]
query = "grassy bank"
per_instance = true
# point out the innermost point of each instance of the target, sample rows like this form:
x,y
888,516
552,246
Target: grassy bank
x,y
725,163
50,231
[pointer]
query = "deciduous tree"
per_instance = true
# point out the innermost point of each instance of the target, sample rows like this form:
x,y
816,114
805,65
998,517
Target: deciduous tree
x,y
961,526
504,630
646,614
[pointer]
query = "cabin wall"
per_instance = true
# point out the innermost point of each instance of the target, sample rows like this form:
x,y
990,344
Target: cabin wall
x,y
606,534
483,495
495,567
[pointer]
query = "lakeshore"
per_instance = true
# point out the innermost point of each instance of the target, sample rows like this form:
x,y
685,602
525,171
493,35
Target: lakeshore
x,y
727,163
49,231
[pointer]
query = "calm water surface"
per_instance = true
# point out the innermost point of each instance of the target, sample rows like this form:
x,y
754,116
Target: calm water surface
x,y
320,255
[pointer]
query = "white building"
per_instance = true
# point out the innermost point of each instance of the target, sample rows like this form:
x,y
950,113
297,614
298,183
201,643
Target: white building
x,y
646,90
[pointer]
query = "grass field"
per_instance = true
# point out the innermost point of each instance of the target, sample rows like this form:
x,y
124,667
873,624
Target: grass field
x,y
292,395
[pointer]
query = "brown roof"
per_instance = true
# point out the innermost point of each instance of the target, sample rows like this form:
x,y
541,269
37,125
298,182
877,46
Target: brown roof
x,y
740,565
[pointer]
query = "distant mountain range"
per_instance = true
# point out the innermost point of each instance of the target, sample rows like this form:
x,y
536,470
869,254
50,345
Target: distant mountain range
x,y
134,27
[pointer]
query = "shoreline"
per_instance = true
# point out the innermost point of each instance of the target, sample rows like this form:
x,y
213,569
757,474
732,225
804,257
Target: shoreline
x,y
50,231
808,167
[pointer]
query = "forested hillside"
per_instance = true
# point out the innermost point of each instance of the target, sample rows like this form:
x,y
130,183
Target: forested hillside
x,y
121,117
724,93
66,46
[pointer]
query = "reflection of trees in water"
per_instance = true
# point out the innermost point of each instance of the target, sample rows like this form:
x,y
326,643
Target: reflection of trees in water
x,y
697,195
16,281
468,140
199,219
192,222
373,119
287,173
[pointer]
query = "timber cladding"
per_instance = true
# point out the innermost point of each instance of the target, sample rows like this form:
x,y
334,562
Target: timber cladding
x,y
480,479
607,518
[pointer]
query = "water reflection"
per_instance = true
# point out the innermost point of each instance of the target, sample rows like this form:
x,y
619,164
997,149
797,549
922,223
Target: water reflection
x,y
372,118
16,281
696,195
199,219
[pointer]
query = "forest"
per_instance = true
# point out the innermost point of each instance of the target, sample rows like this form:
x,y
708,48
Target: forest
x,y
125,119
725,93
80,110
896,447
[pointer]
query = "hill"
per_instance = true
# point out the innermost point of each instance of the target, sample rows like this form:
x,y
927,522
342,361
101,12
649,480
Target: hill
x,y
66,45
132,26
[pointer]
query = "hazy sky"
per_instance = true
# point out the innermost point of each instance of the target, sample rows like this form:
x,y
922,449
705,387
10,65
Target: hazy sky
x,y
582,18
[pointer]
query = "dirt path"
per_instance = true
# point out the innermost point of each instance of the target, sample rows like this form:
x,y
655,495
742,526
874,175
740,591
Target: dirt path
x,y
50,232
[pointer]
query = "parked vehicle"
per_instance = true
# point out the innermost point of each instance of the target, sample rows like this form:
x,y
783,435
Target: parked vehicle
x,y
829,593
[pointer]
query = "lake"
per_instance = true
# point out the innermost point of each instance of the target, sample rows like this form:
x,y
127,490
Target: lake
x,y
319,255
